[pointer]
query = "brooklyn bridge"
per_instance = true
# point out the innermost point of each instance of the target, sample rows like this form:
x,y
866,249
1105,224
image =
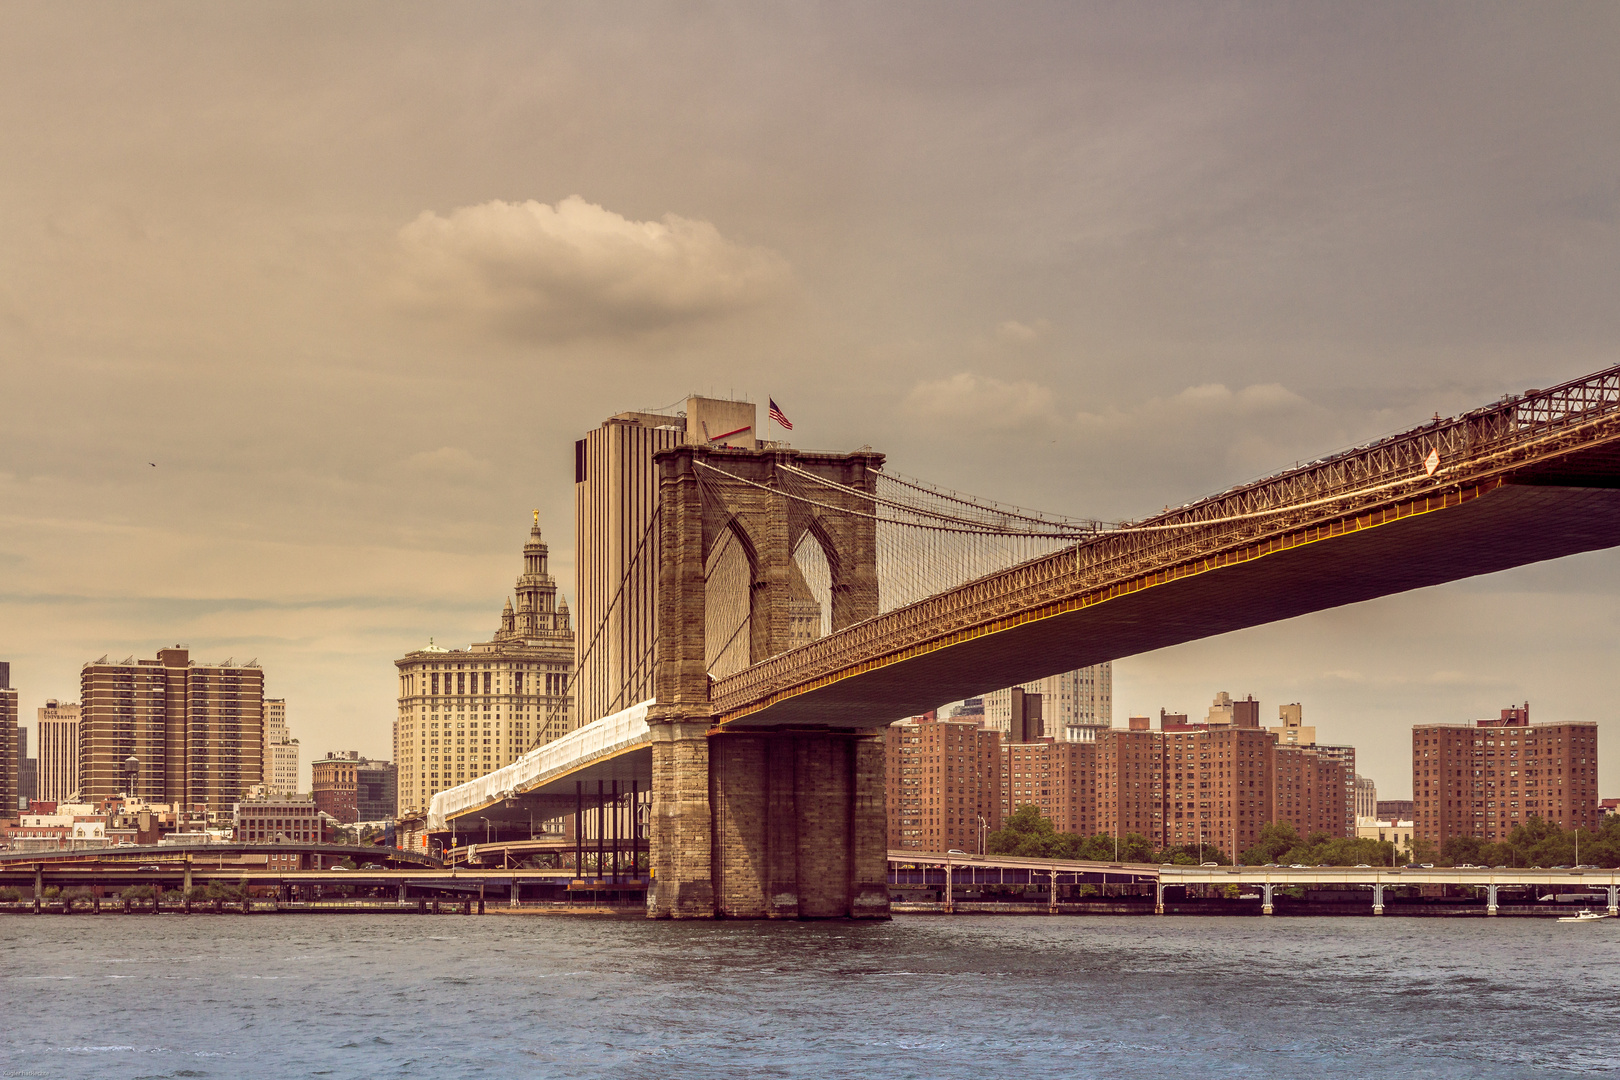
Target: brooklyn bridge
x,y
761,745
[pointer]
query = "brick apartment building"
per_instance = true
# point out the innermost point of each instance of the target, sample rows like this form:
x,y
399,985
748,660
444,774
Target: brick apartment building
x,y
1185,783
1058,777
944,783
195,730
1484,778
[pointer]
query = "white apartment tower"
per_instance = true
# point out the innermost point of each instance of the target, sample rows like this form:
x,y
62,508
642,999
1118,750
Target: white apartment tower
x,y
280,750
58,736
1074,705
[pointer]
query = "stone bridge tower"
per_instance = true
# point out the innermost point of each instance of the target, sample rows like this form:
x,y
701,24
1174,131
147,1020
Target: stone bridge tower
x,y
761,822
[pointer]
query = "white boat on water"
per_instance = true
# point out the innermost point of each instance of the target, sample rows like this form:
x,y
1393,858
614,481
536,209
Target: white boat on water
x,y
1584,915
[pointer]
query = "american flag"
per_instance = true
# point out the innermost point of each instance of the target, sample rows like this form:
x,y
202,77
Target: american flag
x,y
776,414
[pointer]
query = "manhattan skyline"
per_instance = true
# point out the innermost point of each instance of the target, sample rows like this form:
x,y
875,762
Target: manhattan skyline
x,y
301,317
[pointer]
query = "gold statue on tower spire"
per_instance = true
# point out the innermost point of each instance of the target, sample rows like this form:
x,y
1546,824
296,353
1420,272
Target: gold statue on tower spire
x,y
537,519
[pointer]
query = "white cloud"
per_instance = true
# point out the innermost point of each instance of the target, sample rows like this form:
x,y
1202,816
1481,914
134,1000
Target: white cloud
x,y
986,401
1022,333
577,269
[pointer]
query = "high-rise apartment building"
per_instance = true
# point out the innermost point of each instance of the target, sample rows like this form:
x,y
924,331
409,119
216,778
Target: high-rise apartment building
x,y
1074,704
1217,785
1345,758
9,730
616,548
466,712
1130,785
57,726
944,783
280,750
1484,778
195,730
1057,777
1309,791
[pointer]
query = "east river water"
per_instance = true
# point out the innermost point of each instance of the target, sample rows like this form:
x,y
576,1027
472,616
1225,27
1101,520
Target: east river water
x,y
981,997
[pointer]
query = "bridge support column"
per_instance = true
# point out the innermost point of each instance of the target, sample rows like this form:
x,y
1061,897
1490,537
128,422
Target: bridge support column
x,y
1378,898
682,854
1158,897
1490,899
39,887
1265,899
1614,901
799,825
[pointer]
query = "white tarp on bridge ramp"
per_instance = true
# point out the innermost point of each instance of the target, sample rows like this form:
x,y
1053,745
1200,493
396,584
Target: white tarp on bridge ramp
x,y
610,735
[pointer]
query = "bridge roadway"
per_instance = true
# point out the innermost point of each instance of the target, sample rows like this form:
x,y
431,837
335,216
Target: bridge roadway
x,y
1531,477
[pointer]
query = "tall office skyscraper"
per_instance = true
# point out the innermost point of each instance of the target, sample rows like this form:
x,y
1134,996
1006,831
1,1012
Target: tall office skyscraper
x,y
1073,705
58,736
465,712
280,750
616,549
196,730
8,744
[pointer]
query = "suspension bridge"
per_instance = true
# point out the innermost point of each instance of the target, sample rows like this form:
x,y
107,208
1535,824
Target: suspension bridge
x,y
806,600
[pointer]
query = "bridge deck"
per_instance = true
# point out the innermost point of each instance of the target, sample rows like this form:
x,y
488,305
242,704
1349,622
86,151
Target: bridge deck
x,y
1004,632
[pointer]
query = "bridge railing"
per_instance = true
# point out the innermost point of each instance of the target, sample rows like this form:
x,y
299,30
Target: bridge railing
x,y
1501,435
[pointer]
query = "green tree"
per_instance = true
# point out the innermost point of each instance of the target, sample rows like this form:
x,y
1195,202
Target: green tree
x,y
1028,834
1276,840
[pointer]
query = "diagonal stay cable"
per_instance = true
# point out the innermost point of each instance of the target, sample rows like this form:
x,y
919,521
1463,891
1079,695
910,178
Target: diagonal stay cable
x,y
618,594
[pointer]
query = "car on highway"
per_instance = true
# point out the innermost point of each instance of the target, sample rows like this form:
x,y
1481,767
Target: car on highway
x,y
1201,865
1362,866
955,851
149,866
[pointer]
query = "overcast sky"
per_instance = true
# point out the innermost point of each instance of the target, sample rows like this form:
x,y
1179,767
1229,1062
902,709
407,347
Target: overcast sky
x,y
355,276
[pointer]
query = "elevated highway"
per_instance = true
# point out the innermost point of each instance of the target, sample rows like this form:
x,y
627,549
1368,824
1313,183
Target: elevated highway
x,y
199,854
